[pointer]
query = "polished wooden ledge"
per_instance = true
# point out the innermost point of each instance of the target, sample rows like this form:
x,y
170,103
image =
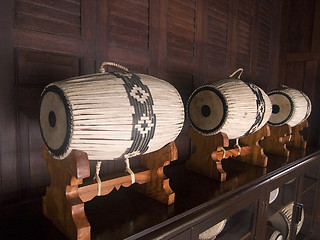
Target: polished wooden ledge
x,y
127,214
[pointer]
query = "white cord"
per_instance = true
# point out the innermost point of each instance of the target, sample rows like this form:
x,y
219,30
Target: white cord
x,y
238,145
128,169
97,177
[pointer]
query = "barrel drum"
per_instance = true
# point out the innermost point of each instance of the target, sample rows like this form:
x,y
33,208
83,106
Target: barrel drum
x,y
289,106
231,106
110,115
282,221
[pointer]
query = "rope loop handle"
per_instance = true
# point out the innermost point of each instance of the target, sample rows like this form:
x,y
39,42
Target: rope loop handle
x,y
240,71
104,64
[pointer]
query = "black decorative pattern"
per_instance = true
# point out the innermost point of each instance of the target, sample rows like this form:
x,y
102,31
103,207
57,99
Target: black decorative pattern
x,y
261,108
143,120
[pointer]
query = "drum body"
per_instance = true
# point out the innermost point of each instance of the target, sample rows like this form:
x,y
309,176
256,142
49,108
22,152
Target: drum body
x,y
289,106
231,106
110,115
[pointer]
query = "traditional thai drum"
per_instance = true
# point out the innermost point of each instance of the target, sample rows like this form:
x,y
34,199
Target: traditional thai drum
x,y
273,234
110,115
289,106
231,106
273,195
282,220
213,232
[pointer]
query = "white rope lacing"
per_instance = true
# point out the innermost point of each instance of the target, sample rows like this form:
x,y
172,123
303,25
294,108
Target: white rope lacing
x,y
128,169
97,177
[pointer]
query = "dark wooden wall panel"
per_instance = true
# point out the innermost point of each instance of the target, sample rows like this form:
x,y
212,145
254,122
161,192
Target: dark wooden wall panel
x,y
38,174
264,18
34,70
187,43
181,30
59,17
300,56
129,24
300,28
126,40
9,179
217,35
295,74
42,67
243,37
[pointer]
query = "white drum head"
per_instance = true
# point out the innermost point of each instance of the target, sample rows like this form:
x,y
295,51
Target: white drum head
x,y
282,108
54,120
207,110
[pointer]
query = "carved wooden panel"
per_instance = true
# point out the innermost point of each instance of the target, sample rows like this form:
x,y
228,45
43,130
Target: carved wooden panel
x,y
59,17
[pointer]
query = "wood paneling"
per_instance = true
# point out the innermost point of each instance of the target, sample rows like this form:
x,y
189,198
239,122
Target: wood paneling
x,y
300,56
217,34
58,17
9,179
264,43
36,69
244,31
187,43
300,26
43,67
181,30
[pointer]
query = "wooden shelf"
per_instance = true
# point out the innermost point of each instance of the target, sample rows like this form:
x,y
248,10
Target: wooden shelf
x,y
128,214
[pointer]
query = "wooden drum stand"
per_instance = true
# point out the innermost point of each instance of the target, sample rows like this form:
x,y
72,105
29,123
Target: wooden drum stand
x,y
285,136
64,201
210,150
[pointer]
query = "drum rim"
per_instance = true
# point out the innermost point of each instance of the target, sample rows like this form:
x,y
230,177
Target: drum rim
x,y
64,147
224,114
291,105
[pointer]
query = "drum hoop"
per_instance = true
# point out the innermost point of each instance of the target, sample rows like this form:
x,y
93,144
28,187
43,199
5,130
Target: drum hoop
x,y
64,147
291,105
224,104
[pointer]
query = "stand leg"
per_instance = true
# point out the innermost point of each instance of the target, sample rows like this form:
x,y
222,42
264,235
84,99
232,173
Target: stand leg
x,y
256,155
158,187
297,139
200,161
276,143
62,204
64,201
